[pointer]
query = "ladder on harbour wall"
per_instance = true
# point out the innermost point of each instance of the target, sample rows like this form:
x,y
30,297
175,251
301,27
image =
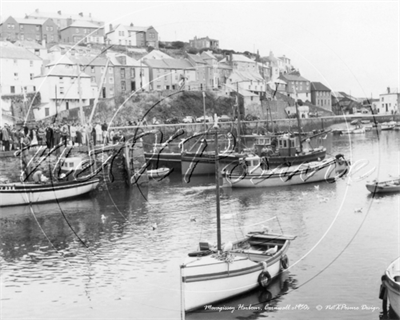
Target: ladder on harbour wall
x,y
135,163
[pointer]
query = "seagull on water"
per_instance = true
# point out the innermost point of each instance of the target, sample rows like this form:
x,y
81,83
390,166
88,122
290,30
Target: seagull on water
x,y
193,219
358,210
316,187
154,226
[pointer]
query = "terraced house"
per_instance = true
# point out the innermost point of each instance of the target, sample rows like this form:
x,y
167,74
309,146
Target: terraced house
x,y
321,95
14,29
82,32
132,35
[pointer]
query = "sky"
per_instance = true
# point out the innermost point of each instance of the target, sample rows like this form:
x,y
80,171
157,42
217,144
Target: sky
x,y
350,46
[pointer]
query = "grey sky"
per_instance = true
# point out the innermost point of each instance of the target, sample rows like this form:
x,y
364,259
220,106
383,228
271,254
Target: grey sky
x,y
348,46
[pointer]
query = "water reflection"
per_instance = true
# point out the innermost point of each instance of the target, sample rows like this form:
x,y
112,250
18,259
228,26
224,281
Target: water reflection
x,y
254,304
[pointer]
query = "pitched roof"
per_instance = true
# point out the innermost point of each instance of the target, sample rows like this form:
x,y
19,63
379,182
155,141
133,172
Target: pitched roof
x,y
61,60
238,58
56,15
178,64
89,61
83,24
169,64
196,58
208,55
29,44
137,28
30,21
247,75
318,86
292,77
156,54
64,71
14,52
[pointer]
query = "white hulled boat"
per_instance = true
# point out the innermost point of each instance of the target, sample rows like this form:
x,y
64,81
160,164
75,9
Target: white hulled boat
x,y
212,274
253,173
392,285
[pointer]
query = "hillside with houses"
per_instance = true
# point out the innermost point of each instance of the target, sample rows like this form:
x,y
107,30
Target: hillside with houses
x,y
55,63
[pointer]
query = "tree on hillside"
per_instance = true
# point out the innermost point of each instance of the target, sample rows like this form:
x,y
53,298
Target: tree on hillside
x,y
178,44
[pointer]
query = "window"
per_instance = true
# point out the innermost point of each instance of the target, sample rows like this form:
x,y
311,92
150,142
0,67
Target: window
x,y
111,80
130,42
67,108
119,41
46,112
16,62
111,91
93,79
110,71
382,97
61,79
22,37
123,86
51,28
15,75
76,30
132,72
21,27
61,90
38,37
31,76
12,89
31,63
123,73
92,69
37,28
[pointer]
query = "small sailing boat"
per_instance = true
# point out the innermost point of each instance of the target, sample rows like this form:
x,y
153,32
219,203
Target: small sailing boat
x,y
391,282
384,186
215,274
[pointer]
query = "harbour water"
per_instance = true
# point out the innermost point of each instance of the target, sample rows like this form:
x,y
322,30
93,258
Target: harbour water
x,y
115,254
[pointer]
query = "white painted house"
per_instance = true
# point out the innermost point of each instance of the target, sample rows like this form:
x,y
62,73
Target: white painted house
x,y
59,88
18,67
389,102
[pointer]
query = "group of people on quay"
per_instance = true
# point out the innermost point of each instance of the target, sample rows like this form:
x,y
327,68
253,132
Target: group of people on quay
x,y
67,133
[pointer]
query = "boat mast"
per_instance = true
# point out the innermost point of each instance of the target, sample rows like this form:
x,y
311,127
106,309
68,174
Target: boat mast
x,y
217,184
238,118
298,124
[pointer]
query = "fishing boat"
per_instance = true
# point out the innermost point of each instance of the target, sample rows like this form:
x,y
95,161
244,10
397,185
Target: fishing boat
x,y
356,130
391,281
13,194
388,186
388,126
158,173
213,274
253,172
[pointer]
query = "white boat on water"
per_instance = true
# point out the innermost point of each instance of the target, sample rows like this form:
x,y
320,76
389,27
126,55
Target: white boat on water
x,y
392,285
209,276
158,173
355,130
388,186
252,174
388,125
213,274
13,194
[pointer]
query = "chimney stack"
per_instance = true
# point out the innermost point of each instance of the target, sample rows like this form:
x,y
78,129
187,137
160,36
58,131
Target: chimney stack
x,y
81,14
111,27
388,89
59,12
131,24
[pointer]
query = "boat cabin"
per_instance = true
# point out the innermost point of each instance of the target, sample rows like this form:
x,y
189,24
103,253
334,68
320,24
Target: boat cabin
x,y
284,145
74,163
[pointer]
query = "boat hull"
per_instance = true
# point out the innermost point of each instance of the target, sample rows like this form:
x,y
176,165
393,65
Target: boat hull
x,y
384,187
205,164
208,280
393,286
169,160
27,193
326,170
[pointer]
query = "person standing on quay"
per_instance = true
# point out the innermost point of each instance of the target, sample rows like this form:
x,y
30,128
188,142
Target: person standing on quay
x,y
5,138
49,137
